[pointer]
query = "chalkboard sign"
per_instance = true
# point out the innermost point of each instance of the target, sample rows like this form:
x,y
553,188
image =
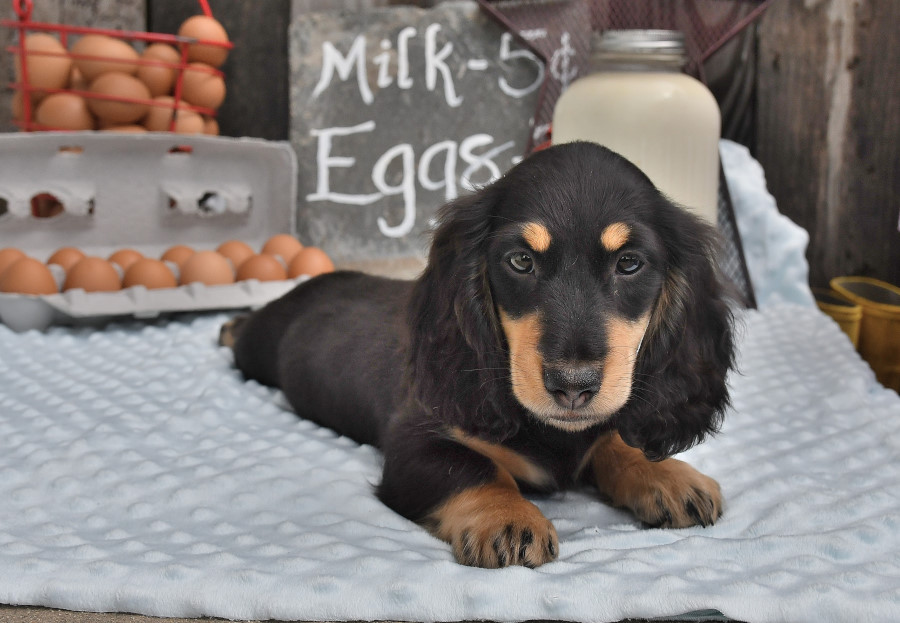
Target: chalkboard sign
x,y
396,111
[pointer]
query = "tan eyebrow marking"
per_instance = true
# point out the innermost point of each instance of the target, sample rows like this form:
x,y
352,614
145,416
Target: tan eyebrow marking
x,y
537,236
615,236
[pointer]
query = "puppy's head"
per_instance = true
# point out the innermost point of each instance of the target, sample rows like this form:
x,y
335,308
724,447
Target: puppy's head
x,y
595,296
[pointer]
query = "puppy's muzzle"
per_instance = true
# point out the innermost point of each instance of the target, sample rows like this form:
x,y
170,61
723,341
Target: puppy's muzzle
x,y
572,386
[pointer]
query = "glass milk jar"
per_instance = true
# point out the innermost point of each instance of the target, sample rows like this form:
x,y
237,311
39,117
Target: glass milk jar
x,y
638,102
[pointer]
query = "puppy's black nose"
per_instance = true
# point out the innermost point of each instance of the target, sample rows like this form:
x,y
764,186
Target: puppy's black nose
x,y
572,387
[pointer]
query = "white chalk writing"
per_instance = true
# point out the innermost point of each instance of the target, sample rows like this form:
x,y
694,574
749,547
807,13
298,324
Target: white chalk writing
x,y
561,62
332,59
507,53
450,165
481,168
439,75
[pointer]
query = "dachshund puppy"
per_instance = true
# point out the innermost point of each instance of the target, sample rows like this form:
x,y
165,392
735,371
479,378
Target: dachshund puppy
x,y
569,328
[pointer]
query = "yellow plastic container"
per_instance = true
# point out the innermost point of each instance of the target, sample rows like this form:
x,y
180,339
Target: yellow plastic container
x,y
842,310
879,330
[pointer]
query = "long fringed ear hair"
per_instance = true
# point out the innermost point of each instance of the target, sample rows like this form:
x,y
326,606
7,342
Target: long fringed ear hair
x,y
680,393
457,355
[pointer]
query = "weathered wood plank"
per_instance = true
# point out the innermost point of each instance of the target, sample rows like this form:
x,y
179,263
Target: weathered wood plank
x,y
868,216
828,129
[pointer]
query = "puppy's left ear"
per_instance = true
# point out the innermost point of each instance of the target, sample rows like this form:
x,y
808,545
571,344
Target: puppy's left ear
x,y
680,392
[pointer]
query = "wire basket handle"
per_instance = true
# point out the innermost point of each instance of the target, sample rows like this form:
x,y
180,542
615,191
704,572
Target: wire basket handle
x,y
204,6
23,9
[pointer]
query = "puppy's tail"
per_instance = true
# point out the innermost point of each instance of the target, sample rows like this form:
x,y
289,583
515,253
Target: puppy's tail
x,y
230,331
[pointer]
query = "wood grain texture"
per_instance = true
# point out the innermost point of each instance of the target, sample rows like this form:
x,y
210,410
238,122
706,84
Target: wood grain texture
x,y
869,218
828,129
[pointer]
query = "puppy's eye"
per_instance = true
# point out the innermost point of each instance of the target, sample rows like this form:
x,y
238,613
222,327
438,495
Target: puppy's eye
x,y
628,265
521,262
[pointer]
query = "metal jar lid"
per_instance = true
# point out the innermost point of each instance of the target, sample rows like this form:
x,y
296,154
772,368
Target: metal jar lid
x,y
641,41
639,50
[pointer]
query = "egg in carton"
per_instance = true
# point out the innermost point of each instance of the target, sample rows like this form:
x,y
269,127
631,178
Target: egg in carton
x,y
155,196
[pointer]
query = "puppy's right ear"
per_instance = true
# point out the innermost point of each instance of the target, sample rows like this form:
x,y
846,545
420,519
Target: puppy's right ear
x,y
689,347
457,352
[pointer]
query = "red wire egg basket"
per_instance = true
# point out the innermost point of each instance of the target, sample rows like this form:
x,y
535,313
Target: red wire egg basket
x,y
30,93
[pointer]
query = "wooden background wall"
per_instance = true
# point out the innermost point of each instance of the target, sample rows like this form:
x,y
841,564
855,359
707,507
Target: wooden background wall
x,y
828,129
826,126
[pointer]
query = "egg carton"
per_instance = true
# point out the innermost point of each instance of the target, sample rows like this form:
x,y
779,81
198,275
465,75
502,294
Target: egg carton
x,y
22,312
147,192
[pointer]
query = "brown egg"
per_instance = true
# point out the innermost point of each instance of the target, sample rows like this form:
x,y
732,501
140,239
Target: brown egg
x,y
160,114
47,62
262,267
93,274
178,254
202,87
210,126
186,121
64,111
236,251
205,29
160,69
207,267
125,257
125,129
116,85
150,273
102,54
66,257
310,261
8,256
28,276
77,81
284,245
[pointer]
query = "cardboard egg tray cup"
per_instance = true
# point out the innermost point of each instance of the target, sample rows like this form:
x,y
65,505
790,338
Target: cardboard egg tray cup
x,y
147,192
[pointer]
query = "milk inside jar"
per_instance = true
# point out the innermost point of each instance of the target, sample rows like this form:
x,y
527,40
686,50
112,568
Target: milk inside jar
x,y
639,103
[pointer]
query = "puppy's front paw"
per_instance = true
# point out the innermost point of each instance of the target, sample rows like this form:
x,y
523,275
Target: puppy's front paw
x,y
492,526
666,494
509,541
671,494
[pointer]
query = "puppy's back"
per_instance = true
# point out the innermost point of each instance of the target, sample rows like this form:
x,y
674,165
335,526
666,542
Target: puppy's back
x,y
336,346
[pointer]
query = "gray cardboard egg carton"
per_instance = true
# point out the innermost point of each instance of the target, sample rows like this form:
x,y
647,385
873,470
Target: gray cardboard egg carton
x,y
147,192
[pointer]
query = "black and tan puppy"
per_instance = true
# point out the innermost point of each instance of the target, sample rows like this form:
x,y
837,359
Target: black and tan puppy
x,y
569,328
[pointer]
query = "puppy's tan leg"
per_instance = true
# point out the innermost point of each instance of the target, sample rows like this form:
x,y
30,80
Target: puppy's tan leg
x,y
667,494
492,526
